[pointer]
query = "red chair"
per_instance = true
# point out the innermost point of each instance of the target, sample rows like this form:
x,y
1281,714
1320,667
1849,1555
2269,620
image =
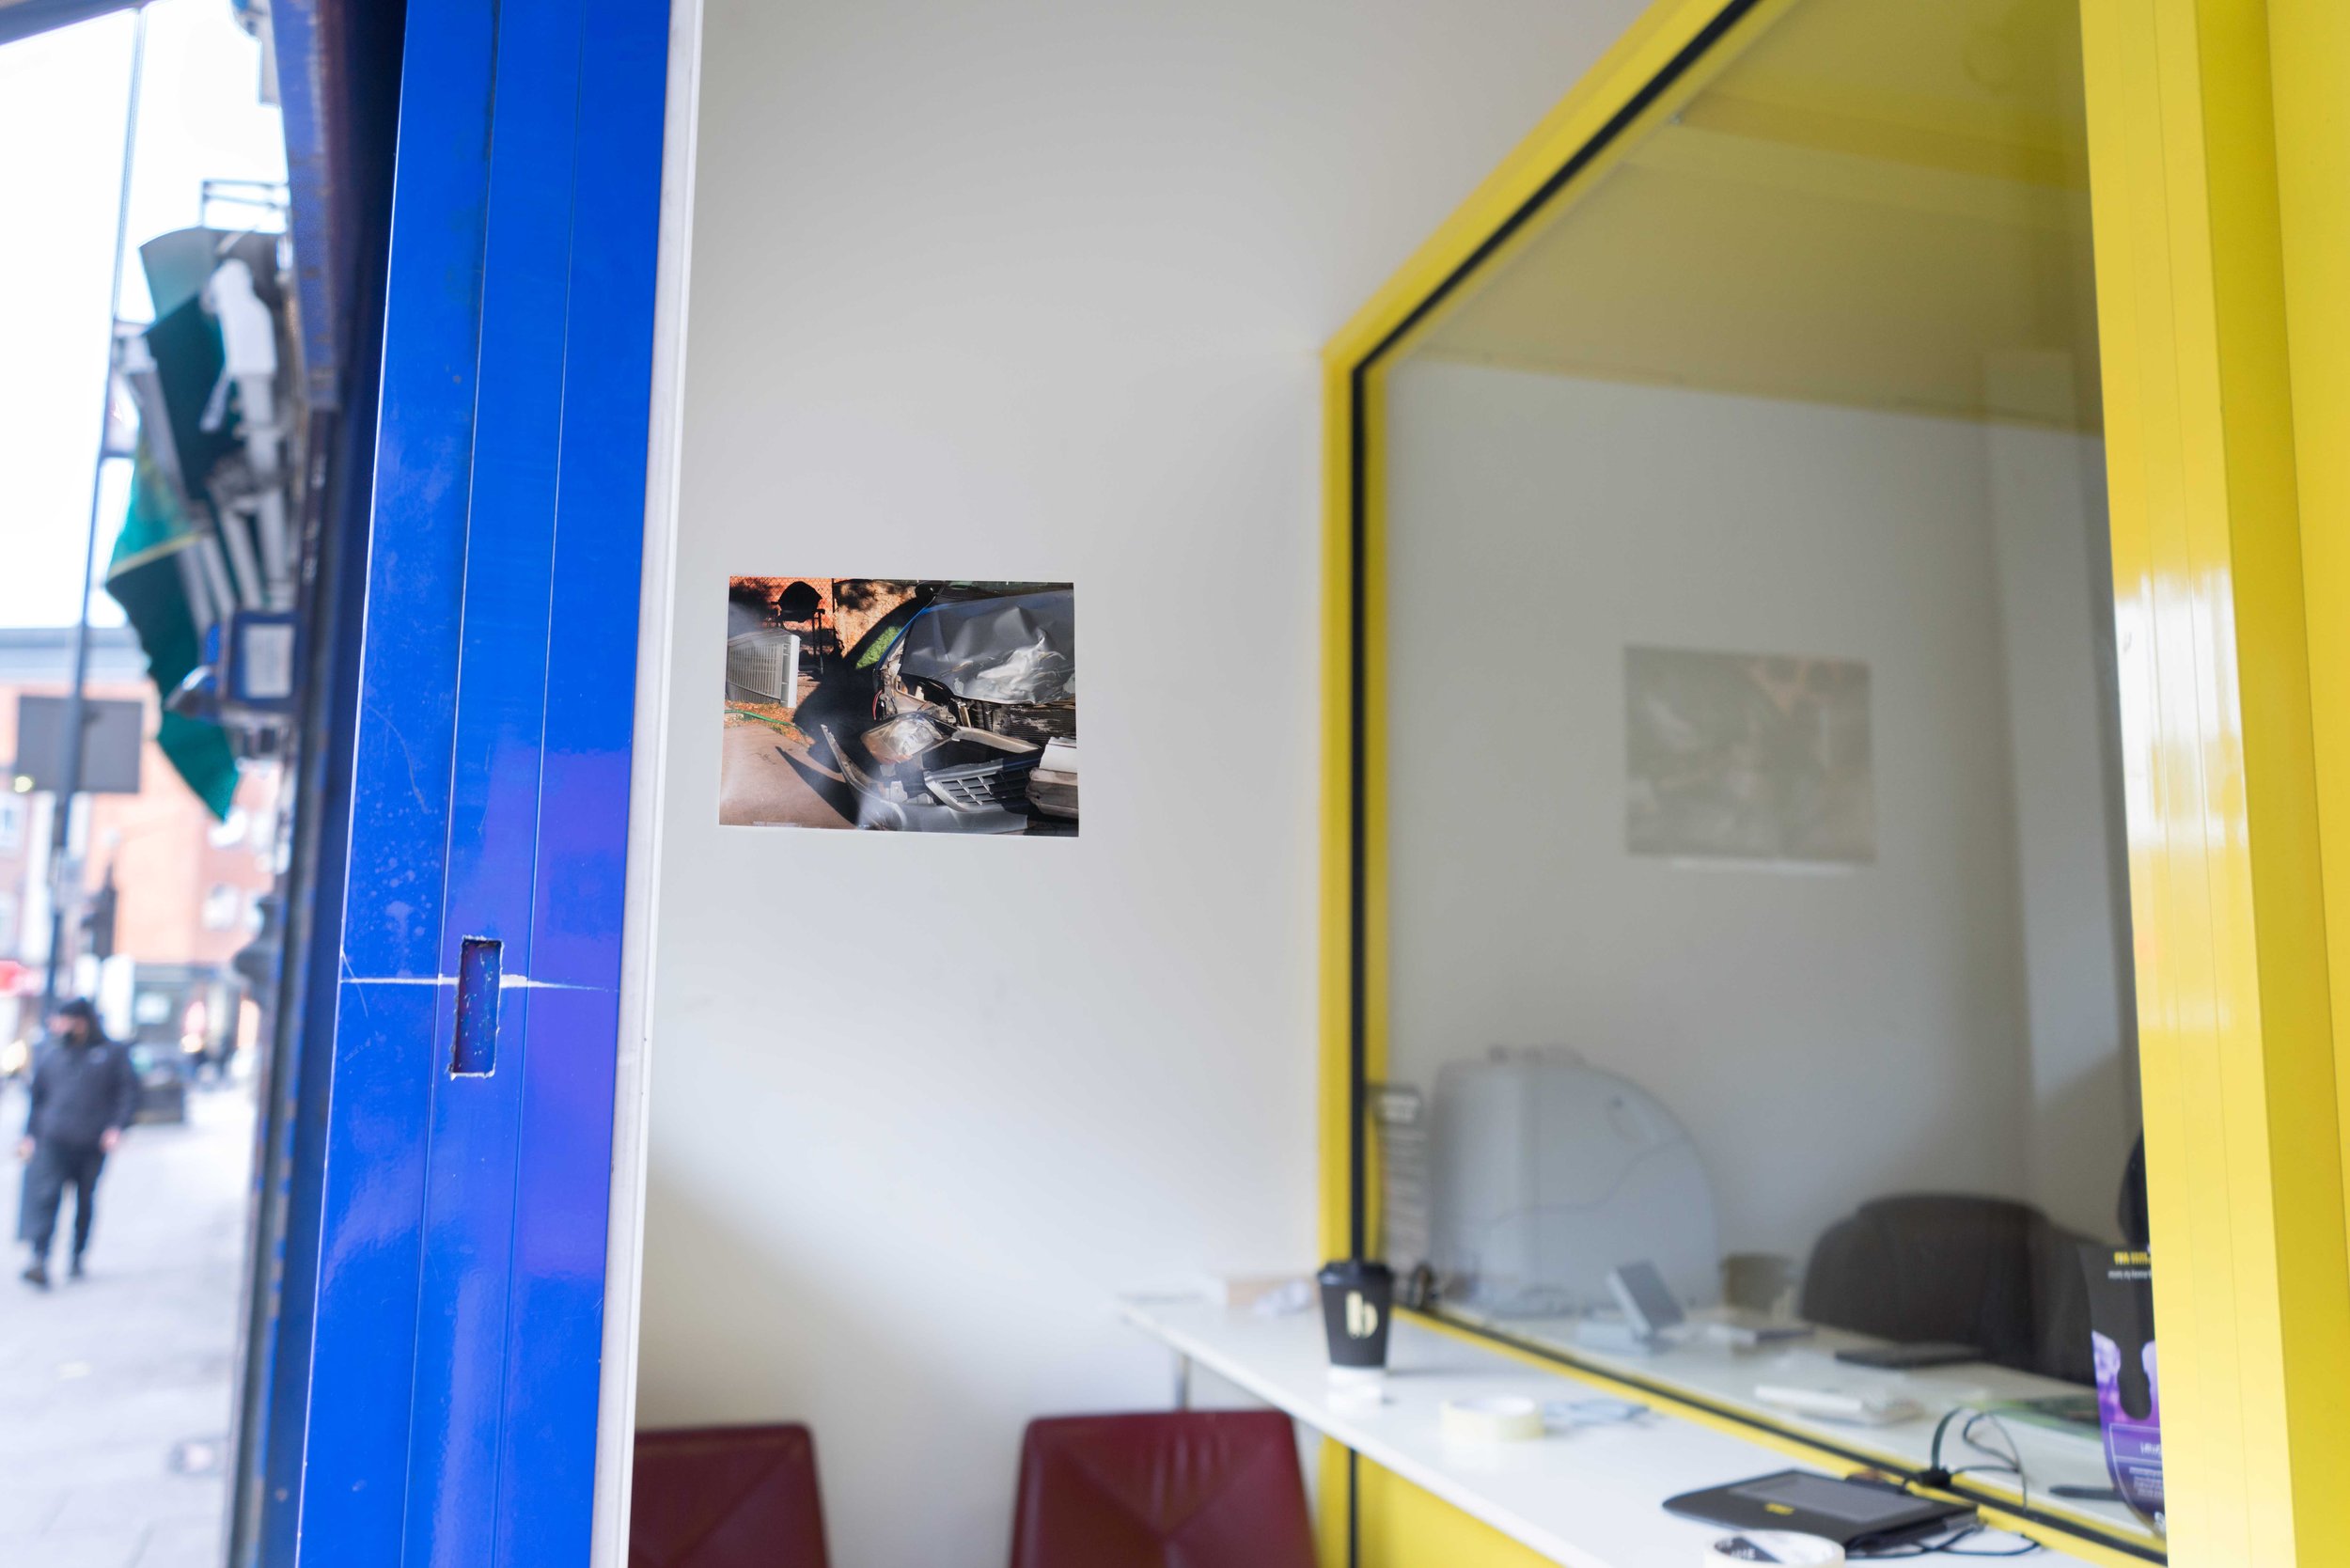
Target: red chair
x,y
1183,1489
726,1496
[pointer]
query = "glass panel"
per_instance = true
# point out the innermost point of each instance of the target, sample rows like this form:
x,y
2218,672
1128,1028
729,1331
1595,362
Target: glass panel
x,y
1759,911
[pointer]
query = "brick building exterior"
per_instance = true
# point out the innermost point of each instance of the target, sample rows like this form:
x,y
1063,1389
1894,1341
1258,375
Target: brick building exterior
x,y
185,885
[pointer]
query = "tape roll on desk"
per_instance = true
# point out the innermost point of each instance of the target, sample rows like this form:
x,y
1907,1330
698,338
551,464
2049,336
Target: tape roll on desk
x,y
1494,1419
1780,1546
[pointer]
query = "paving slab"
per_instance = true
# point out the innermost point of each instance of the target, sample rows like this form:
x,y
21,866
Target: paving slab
x,y
101,1379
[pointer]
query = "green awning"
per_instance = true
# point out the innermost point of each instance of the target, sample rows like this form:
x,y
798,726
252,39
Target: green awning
x,y
145,576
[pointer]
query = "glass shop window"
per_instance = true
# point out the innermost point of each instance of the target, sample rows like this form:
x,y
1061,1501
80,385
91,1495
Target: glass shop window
x,y
1758,917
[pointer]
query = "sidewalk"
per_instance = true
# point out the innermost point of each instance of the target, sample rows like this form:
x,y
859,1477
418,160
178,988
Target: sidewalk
x,y
101,1381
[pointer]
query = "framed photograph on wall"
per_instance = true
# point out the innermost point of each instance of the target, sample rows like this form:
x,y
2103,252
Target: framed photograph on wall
x,y
1748,757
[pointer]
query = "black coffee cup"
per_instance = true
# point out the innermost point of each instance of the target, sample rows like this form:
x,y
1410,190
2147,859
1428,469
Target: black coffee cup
x,y
1357,1299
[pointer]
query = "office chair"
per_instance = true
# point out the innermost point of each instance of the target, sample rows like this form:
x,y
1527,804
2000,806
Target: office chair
x,y
1180,1489
726,1496
1986,1272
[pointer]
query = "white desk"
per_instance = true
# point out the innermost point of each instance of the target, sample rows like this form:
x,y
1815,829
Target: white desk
x,y
1714,1372
1590,1497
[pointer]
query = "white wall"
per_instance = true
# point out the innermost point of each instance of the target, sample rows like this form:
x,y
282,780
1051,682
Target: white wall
x,y
1828,1036
1021,290
2047,510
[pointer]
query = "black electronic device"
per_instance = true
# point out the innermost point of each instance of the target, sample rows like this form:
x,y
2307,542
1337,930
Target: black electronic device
x,y
1858,1515
1912,1357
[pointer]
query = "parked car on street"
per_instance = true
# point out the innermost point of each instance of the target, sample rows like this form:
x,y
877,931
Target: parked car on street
x,y
163,1087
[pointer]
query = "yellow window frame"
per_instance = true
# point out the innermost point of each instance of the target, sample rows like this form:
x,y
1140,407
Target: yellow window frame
x,y
2219,135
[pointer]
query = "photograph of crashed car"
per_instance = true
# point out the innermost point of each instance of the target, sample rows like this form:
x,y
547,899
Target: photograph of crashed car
x,y
908,705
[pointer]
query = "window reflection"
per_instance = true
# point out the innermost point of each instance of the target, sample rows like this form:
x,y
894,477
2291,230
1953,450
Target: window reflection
x,y
1759,914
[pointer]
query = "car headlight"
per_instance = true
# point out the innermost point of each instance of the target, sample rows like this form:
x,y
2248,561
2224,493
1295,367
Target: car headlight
x,y
905,737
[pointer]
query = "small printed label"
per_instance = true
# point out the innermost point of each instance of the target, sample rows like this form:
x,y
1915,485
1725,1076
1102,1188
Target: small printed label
x,y
267,666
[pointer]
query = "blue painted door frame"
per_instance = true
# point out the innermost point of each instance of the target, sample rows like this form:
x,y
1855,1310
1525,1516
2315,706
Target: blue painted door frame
x,y
456,1322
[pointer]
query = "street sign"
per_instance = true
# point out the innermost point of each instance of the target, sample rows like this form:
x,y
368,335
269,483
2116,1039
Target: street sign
x,y
113,733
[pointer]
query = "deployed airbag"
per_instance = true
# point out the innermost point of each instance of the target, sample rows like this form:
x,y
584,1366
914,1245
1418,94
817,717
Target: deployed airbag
x,y
1022,648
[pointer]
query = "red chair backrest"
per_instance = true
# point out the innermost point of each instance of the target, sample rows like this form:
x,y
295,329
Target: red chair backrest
x,y
726,1496
1178,1489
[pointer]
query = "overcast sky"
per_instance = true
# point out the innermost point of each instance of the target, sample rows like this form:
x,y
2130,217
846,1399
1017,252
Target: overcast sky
x,y
61,110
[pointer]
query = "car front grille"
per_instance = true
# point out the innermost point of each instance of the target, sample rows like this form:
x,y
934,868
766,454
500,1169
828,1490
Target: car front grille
x,y
979,786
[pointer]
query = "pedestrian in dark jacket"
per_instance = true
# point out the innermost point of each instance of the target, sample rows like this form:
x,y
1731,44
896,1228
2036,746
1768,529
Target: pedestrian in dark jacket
x,y
85,1092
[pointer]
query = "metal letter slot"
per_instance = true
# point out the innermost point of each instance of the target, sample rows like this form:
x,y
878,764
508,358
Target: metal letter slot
x,y
475,1051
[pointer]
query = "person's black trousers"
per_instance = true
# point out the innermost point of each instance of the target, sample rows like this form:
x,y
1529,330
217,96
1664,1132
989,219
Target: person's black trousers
x,y
53,1167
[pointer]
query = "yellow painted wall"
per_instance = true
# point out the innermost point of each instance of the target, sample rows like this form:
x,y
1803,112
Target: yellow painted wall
x,y
1401,1527
2252,1288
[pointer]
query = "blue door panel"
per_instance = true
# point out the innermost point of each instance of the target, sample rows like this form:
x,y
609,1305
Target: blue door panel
x,y
364,1335
459,1316
474,1118
554,1341
356,1432
563,1180
469,1222
583,835
509,542
404,747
